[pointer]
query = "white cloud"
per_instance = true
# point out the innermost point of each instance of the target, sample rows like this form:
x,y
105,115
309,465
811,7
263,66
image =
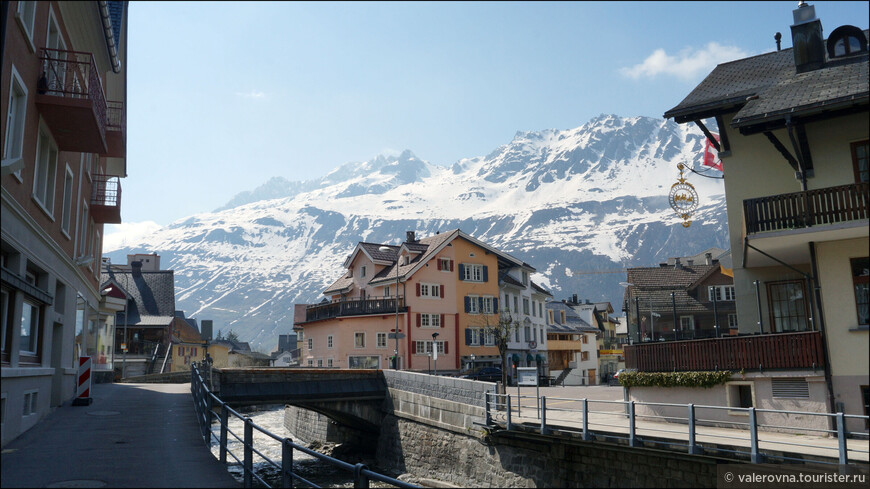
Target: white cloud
x,y
255,94
128,233
687,65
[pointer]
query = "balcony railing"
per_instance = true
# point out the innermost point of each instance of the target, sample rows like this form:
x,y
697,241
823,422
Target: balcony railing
x,y
804,209
353,307
770,351
71,99
116,129
106,199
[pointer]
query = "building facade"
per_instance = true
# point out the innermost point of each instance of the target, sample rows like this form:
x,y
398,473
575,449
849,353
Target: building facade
x,y
63,101
573,349
524,303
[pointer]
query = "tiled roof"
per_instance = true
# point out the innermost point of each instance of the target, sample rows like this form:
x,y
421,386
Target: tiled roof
x,y
573,322
427,245
116,15
373,249
505,277
541,289
777,89
340,284
151,300
668,277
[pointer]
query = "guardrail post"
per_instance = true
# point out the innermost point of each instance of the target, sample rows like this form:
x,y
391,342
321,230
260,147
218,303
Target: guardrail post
x,y
586,435
754,456
632,437
488,419
225,419
841,438
693,446
286,463
249,452
508,422
206,429
543,415
360,479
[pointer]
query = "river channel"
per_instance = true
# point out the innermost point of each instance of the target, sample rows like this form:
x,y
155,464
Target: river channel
x,y
271,418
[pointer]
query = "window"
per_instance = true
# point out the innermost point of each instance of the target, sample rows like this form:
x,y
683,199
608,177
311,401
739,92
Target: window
x,y
525,277
859,161
360,361
46,171
84,231
473,273
310,343
740,395
430,320
4,319
687,323
732,321
584,356
549,316
66,216
29,327
788,306
487,305
472,304
320,362
429,290
846,40
865,394
516,304
310,362
722,293
527,334
445,264
517,334
534,306
87,164
30,403
329,362
14,136
362,271
26,15
585,340
860,274
507,302
562,317
525,306
328,342
540,309
382,340
359,340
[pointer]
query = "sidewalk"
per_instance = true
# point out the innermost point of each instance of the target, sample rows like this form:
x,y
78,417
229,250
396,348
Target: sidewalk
x,y
132,435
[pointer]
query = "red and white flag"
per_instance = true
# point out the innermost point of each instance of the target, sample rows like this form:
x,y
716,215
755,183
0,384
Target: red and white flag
x,y
711,156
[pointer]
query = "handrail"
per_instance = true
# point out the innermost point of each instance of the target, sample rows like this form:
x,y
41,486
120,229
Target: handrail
x,y
73,74
204,400
499,407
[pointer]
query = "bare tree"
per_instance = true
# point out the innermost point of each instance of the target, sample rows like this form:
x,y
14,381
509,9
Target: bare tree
x,y
500,329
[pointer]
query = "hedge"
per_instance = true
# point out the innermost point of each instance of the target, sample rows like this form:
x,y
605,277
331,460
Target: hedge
x,y
704,379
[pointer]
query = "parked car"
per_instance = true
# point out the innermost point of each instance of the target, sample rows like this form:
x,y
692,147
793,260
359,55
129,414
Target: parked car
x,y
486,374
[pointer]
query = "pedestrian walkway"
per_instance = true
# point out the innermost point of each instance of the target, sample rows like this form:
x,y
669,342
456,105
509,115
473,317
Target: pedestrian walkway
x,y
132,435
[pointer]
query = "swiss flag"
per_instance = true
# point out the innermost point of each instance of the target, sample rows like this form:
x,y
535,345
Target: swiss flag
x,y
711,156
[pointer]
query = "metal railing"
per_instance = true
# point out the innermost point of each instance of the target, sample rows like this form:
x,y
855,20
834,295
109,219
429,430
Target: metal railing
x,y
106,190
810,208
689,431
73,74
354,307
208,407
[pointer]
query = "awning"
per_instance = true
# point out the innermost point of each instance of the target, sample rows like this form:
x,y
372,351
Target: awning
x,y
529,358
539,358
515,358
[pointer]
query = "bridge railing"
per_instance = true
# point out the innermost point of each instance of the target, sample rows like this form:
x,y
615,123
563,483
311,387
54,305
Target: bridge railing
x,y
620,420
208,407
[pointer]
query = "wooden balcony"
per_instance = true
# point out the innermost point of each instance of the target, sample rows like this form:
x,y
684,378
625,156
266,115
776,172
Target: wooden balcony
x,y
754,352
106,199
805,209
69,95
116,130
354,307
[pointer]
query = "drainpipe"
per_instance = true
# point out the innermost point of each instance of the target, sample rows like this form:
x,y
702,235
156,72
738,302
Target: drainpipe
x,y
817,298
110,37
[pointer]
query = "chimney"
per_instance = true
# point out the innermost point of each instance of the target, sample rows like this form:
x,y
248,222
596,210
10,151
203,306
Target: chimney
x,y
677,264
708,257
575,298
778,38
808,46
136,266
410,237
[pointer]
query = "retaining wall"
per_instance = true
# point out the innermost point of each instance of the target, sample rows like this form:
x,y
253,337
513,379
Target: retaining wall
x,y
447,388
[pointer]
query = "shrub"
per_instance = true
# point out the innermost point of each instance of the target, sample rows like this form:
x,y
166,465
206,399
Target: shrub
x,y
705,379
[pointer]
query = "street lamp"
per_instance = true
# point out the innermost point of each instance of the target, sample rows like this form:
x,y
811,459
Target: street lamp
x,y
472,362
396,352
434,354
636,312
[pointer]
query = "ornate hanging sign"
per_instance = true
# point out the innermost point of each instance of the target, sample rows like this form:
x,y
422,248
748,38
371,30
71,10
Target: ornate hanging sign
x,y
683,198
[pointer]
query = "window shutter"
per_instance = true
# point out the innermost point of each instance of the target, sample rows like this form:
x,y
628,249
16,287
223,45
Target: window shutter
x,y
467,303
442,320
418,289
467,336
495,304
446,350
442,291
419,320
480,304
461,272
438,262
451,265
485,273
413,347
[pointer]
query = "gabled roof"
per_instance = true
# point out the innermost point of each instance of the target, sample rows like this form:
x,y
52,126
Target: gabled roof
x,y
151,296
373,252
540,289
574,324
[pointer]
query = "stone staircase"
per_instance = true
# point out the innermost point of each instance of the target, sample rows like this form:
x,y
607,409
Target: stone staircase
x,y
562,376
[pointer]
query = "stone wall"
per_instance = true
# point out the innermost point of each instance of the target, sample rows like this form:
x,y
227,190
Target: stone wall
x,y
517,459
310,427
447,388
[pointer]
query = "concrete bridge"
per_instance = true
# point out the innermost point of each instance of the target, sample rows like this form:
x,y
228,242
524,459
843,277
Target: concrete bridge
x,y
350,397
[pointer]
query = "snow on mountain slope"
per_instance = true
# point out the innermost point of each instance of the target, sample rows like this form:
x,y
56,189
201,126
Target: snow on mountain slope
x,y
590,198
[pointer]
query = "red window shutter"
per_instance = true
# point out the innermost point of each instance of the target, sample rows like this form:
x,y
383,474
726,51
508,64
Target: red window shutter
x,y
418,289
438,262
442,291
442,320
451,265
446,350
419,320
413,347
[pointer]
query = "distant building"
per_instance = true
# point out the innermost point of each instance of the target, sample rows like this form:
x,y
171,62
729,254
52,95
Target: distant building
x,y
573,351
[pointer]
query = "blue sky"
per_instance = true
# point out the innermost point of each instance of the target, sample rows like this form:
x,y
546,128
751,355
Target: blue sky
x,y
225,95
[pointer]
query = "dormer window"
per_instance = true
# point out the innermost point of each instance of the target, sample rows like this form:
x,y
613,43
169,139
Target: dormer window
x,y
846,40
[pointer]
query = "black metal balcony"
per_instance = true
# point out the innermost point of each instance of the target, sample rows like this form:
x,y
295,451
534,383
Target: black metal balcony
x,y
805,209
354,307
106,199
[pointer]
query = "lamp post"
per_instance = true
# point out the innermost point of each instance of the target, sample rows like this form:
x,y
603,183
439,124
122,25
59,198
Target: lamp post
x,y
674,304
472,362
434,353
396,352
626,285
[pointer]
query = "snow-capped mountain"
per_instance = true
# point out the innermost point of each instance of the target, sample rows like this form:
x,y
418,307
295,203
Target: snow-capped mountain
x,y
565,201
